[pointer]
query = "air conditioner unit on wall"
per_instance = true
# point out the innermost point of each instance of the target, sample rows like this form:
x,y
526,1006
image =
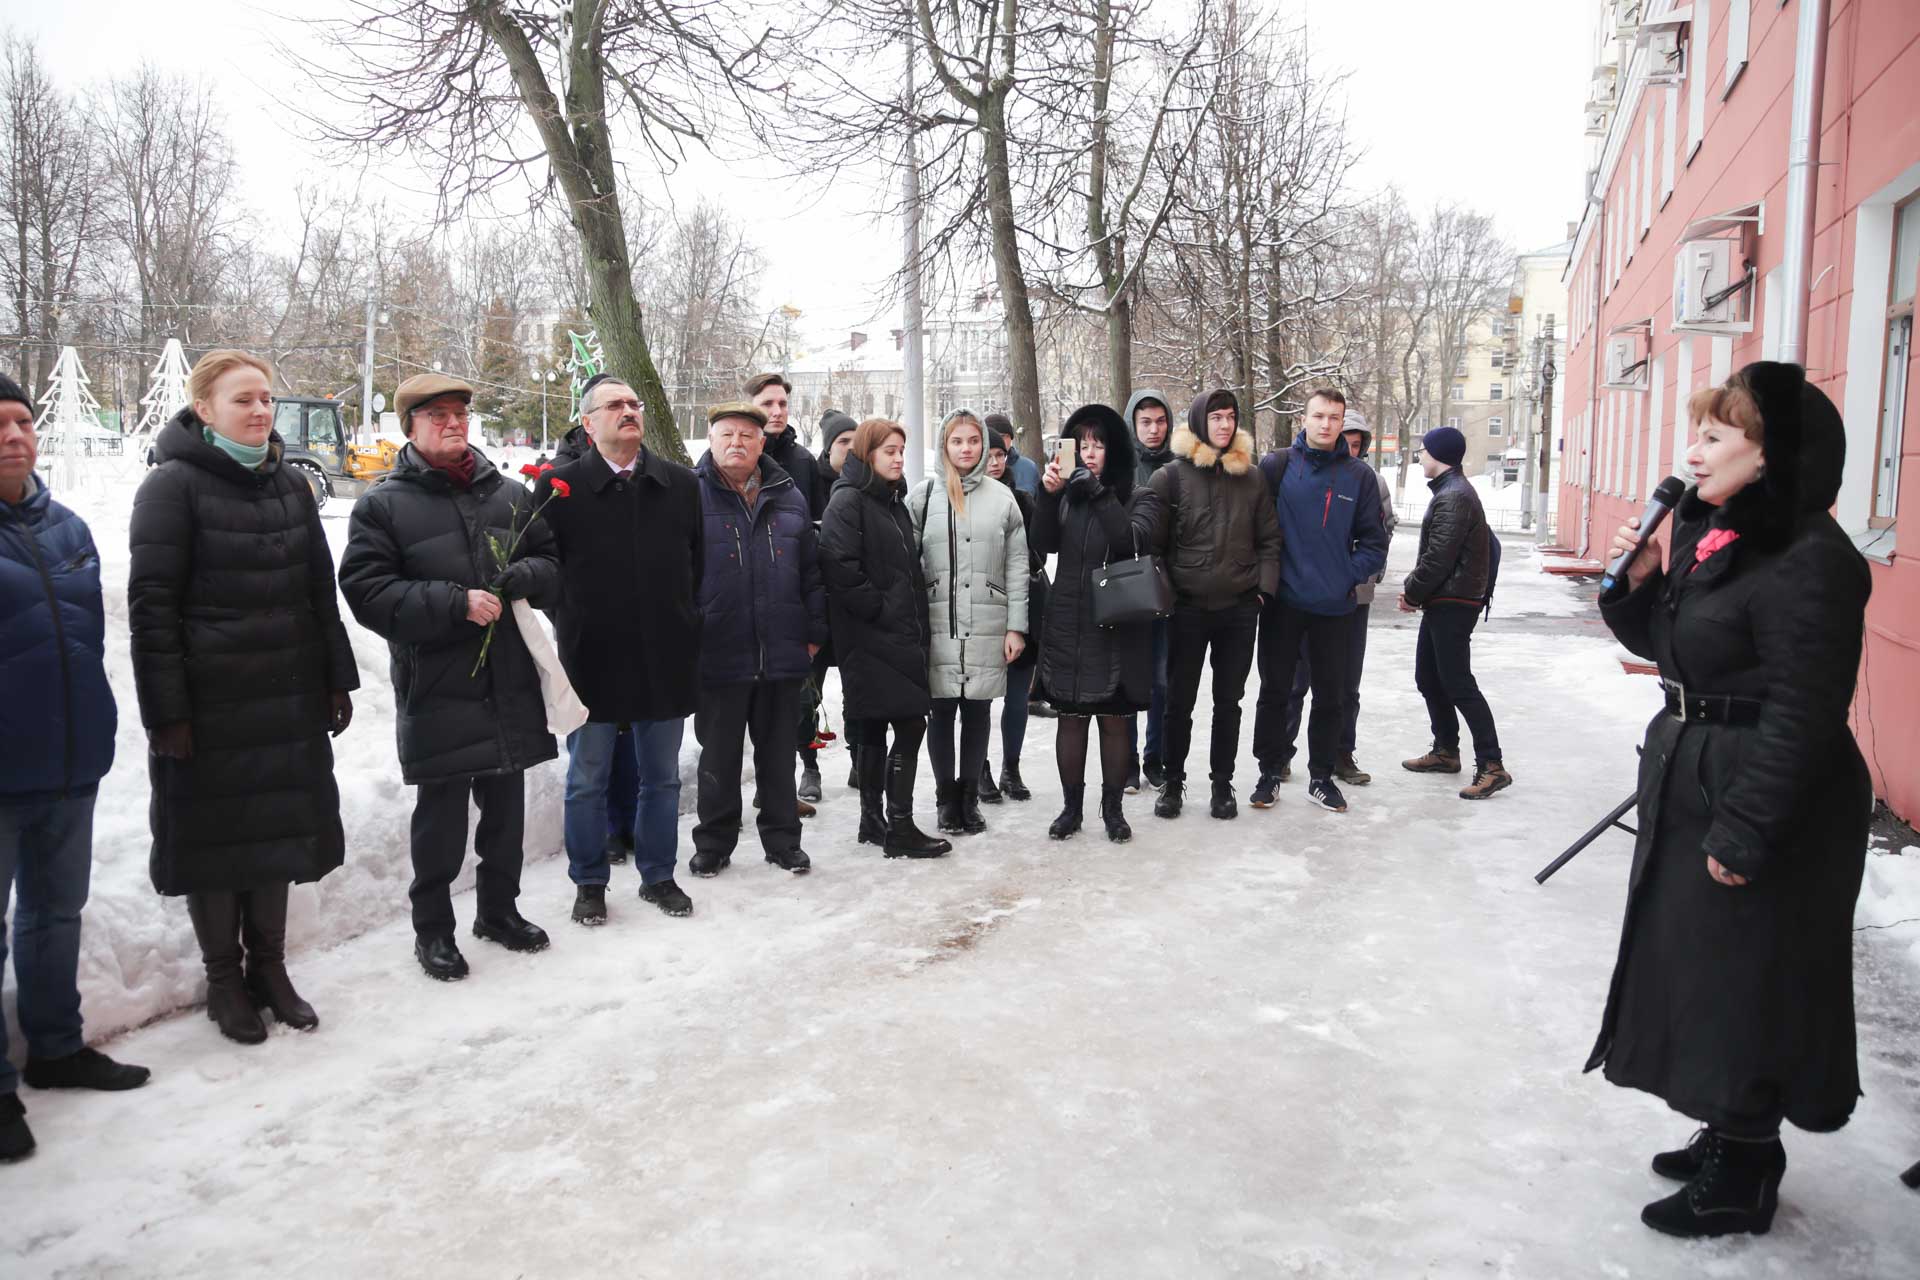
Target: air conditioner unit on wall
x,y
1666,57
1712,288
1626,355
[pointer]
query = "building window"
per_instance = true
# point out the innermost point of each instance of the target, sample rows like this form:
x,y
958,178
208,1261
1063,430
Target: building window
x,y
1454,423
1459,393
1498,328
1896,355
1496,426
1496,392
1499,359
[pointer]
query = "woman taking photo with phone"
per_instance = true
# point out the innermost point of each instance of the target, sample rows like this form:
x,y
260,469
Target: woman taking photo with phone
x,y
973,552
877,604
243,669
1090,513
1732,997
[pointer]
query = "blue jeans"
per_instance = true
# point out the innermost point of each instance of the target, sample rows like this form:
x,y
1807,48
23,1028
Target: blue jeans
x,y
46,846
656,824
623,792
1157,710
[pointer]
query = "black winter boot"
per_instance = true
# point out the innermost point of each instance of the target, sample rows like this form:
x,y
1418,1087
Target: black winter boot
x,y
1224,805
1071,814
904,839
1736,1190
970,820
16,1140
853,767
870,776
216,925
946,808
1112,814
989,794
1011,783
1172,797
263,914
1684,1164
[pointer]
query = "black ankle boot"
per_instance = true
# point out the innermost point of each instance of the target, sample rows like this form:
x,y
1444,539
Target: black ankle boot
x,y
1172,795
1111,800
264,926
989,794
870,778
946,808
1736,1190
970,820
1071,814
903,838
1010,782
216,925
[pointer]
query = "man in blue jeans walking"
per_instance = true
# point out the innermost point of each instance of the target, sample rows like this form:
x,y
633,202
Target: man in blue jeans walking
x,y
631,560
57,720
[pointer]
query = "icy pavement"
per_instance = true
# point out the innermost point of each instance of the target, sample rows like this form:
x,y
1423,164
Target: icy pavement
x,y
1296,1044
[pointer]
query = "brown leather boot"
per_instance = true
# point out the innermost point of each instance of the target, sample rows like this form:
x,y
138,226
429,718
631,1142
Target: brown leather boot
x,y
1437,760
216,925
1347,769
1487,779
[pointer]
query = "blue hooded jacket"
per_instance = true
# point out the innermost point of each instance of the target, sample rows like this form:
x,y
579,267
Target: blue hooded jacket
x,y
1332,535
57,717
762,600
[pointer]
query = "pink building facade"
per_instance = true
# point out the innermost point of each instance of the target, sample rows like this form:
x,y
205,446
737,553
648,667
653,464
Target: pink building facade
x,y
1681,248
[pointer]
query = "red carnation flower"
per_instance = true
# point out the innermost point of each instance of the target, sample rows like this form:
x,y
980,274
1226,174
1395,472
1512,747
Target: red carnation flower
x,y
530,471
561,489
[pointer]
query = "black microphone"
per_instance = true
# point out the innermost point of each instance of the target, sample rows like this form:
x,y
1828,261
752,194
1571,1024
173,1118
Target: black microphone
x,y
1659,507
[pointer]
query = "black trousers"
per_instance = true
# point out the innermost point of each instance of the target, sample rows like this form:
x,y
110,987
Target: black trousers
x,y
808,720
1328,641
1230,633
976,725
1443,672
1303,681
770,711
440,846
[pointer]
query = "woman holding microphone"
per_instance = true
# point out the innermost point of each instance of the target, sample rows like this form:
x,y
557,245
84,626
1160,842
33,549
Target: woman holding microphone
x,y
1732,997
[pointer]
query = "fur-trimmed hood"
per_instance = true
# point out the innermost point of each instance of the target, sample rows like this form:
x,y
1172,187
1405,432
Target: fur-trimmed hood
x,y
1117,474
1804,453
1191,443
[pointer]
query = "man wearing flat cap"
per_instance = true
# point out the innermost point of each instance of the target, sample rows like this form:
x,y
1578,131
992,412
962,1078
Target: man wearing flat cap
x,y
629,636
763,608
420,571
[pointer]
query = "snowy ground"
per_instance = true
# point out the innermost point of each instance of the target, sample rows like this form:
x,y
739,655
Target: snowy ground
x,y
1295,1044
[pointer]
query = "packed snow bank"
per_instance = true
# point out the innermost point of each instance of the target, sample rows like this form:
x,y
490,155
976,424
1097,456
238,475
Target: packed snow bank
x,y
1890,897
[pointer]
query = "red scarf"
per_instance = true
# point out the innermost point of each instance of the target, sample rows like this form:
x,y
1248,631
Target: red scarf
x,y
1713,541
459,471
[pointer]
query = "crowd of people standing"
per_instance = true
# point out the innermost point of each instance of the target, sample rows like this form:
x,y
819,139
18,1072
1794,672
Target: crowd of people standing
x,y
725,591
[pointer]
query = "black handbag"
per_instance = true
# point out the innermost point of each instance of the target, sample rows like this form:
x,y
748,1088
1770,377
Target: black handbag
x,y
1129,591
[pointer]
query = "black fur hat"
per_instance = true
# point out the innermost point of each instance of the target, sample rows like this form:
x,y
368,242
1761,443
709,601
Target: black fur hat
x,y
1803,454
1114,433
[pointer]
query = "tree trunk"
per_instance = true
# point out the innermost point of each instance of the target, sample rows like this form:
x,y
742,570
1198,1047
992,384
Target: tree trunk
x,y
1023,361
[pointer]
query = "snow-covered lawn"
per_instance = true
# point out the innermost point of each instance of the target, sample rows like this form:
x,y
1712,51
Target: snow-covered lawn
x,y
1294,1044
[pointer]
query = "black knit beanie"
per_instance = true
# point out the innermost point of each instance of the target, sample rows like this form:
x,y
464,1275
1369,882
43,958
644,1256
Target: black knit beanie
x,y
10,390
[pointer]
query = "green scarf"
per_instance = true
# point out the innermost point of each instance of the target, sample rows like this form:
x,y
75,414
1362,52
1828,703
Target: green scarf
x,y
247,455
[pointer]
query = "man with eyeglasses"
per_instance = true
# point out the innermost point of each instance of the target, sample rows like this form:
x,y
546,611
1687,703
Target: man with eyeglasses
x,y
420,570
629,534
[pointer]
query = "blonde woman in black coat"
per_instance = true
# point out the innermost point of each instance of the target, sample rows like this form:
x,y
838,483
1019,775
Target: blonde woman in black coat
x,y
1732,998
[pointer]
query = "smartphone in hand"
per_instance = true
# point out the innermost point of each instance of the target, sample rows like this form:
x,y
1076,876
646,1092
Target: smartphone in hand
x,y
1066,454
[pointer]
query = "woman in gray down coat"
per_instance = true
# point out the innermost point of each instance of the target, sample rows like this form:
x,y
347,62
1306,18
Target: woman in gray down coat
x,y
973,552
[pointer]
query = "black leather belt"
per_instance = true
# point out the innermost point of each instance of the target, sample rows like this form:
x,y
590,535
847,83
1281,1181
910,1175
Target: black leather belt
x,y
1709,708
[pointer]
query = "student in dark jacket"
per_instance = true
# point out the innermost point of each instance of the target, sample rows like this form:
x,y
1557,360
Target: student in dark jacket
x,y
419,571
1091,516
1732,997
1024,471
836,438
1448,588
764,615
57,719
1151,418
243,669
1223,549
1014,707
628,630
877,606
1333,542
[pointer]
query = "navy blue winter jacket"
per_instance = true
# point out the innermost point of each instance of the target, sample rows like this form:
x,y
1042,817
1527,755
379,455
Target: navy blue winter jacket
x,y
762,601
1332,535
57,714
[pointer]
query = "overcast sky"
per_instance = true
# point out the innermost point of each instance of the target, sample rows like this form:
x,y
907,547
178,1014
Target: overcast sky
x,y
1477,103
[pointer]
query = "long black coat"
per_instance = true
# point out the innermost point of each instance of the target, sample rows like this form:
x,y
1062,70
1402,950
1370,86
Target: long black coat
x,y
1730,1002
792,457
631,559
237,632
416,546
1038,586
1084,665
876,597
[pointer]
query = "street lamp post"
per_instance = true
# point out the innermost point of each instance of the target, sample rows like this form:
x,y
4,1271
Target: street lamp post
x,y
545,380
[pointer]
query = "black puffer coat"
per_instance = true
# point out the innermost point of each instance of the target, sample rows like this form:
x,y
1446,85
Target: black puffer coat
x,y
237,632
1082,665
1037,584
1222,529
876,597
416,546
1737,1002
1454,555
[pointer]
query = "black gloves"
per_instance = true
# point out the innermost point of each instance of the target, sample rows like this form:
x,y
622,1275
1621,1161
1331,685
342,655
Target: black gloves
x,y
1083,485
514,581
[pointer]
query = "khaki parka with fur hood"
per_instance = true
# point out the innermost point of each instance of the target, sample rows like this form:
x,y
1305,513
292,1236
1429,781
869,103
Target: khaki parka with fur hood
x,y
1223,536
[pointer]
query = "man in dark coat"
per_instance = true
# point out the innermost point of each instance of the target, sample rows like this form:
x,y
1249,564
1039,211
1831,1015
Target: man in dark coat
x,y
1732,995
1223,549
1334,541
419,571
628,629
57,720
1151,417
1448,588
764,617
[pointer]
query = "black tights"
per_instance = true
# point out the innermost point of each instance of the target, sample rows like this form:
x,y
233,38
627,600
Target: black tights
x,y
975,729
1116,749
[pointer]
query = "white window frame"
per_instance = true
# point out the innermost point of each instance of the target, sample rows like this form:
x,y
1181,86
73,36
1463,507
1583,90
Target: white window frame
x,y
1697,43
1496,425
1874,223
1646,170
1671,143
1636,410
1682,391
1739,21
1656,401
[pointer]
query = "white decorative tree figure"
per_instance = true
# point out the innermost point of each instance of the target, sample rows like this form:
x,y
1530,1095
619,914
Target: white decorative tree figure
x,y
585,358
167,394
72,417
